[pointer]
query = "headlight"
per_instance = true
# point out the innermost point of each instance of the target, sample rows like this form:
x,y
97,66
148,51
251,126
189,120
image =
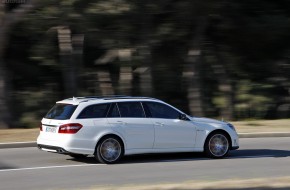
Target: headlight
x,y
231,126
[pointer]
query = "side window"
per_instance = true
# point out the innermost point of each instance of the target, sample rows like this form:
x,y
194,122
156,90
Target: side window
x,y
158,110
114,111
131,109
94,111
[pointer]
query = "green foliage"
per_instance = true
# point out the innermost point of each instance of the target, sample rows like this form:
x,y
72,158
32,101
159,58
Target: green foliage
x,y
252,101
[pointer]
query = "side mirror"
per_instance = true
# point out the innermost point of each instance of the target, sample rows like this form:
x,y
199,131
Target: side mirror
x,y
183,117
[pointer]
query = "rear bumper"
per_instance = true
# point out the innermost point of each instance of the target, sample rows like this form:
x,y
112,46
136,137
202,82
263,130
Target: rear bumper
x,y
54,149
65,144
235,147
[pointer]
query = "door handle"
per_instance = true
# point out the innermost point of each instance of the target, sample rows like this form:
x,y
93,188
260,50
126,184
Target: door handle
x,y
159,124
121,122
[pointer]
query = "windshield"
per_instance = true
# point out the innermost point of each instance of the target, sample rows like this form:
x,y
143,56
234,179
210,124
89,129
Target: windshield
x,y
61,111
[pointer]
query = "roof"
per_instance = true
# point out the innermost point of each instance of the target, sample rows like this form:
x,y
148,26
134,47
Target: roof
x,y
78,100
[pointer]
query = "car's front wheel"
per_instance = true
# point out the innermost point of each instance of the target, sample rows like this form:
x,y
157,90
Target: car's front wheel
x,y
109,150
216,145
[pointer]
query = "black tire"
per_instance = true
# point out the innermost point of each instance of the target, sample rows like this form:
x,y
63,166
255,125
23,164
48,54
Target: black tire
x,y
109,150
78,156
217,145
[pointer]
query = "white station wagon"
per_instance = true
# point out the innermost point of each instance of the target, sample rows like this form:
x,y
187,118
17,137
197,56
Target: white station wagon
x,y
114,126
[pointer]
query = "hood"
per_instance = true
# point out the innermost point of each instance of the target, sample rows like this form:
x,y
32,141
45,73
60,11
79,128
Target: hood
x,y
207,120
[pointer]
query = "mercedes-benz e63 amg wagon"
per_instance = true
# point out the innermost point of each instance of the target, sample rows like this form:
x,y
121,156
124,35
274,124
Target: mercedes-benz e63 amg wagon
x,y
114,126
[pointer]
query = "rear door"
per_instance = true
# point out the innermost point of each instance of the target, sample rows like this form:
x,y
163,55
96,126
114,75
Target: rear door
x,y
128,118
93,118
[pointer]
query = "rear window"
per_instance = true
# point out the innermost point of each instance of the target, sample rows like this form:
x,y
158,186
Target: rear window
x,y
61,111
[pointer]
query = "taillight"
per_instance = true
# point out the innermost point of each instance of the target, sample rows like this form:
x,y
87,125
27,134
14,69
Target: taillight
x,y
70,128
40,127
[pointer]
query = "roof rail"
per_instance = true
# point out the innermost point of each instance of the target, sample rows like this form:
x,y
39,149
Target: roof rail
x,y
109,97
97,97
106,96
129,97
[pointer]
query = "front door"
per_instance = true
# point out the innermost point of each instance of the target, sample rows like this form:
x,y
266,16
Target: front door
x,y
170,131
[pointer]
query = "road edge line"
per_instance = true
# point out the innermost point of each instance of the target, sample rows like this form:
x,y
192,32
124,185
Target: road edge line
x,y
18,144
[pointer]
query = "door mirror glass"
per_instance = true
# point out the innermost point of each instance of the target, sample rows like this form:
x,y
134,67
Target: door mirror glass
x,y
183,117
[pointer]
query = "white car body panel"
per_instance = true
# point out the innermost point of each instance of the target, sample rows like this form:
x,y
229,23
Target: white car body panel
x,y
173,133
138,132
206,126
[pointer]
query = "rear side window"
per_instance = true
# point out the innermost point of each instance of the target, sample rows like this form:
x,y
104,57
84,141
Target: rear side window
x,y
114,111
61,111
131,109
94,111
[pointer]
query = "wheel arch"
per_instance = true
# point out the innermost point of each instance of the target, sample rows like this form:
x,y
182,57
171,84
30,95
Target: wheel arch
x,y
110,135
217,131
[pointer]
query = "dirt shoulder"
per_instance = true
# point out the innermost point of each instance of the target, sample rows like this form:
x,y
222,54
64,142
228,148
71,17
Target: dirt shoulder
x,y
18,135
281,125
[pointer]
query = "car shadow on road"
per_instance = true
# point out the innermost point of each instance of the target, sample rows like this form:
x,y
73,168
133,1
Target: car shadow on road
x,y
259,153
4,166
175,157
147,158
238,154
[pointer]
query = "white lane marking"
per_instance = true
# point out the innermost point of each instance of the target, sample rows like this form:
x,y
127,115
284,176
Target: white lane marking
x,y
48,167
48,150
83,165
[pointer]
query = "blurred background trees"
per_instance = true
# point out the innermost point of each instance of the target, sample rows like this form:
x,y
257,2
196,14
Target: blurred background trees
x,y
218,59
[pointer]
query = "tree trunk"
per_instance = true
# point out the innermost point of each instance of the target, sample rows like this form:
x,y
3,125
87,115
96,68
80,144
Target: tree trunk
x,y
145,75
67,62
78,47
192,69
7,19
225,84
145,50
5,121
104,82
125,80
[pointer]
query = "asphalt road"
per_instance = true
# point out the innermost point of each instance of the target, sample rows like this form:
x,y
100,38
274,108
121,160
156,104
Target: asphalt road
x,y
29,168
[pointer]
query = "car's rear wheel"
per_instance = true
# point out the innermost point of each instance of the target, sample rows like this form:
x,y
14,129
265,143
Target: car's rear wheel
x,y
217,145
109,150
78,156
